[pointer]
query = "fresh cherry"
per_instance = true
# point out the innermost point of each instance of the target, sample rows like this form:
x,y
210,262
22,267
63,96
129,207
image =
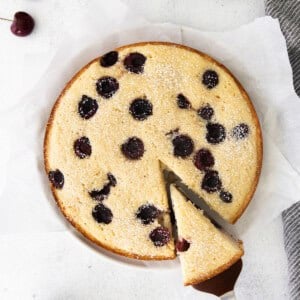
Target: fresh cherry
x,y
22,24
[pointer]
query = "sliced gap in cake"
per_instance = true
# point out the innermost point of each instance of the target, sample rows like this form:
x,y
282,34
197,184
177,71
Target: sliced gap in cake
x,y
215,218
220,239
170,178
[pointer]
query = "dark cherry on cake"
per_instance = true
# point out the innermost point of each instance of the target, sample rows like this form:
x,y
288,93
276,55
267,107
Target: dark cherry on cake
x,y
107,86
103,193
206,112
134,62
183,102
147,213
133,148
112,179
215,133
226,196
240,131
56,178
82,147
160,236
102,214
140,109
182,245
203,159
210,79
183,145
109,59
211,181
87,107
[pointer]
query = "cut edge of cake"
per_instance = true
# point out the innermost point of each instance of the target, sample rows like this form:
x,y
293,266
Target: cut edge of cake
x,y
203,232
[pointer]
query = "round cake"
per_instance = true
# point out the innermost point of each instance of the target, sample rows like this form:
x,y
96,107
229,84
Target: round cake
x,y
130,114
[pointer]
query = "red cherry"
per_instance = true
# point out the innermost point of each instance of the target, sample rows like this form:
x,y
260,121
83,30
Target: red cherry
x,y
22,24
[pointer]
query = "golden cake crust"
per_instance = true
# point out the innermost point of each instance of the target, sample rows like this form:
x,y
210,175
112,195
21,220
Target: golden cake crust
x,y
217,271
247,198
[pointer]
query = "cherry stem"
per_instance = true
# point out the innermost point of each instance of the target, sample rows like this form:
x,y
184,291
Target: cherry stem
x,y
4,19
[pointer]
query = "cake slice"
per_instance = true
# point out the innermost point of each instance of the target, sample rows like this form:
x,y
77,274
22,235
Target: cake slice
x,y
204,250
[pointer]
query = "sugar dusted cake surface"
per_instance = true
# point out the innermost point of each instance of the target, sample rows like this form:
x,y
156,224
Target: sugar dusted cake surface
x,y
128,113
208,251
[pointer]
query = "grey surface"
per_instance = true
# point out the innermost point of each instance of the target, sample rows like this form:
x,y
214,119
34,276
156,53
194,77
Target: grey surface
x,y
288,13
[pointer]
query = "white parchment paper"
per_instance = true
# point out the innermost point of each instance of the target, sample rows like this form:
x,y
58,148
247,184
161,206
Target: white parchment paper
x,y
255,53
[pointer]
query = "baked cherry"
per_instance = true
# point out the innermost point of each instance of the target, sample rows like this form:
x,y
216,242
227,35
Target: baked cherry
x,y
215,133
87,107
183,145
211,182
182,245
147,213
102,214
160,236
206,112
140,109
183,102
203,159
240,131
102,194
56,178
133,148
210,79
112,179
107,86
109,59
134,62
226,197
82,147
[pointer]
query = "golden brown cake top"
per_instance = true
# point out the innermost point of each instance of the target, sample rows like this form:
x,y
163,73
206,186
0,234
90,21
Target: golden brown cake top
x,y
127,115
